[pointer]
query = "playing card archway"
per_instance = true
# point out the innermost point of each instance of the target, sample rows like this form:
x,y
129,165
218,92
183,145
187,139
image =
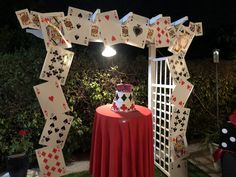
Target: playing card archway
x,y
168,86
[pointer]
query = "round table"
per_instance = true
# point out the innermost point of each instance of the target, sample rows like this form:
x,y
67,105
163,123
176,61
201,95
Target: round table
x,y
122,143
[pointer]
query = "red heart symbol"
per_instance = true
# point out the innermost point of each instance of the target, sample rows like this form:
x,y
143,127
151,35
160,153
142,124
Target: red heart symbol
x,y
51,98
107,17
113,38
174,98
182,82
189,87
181,103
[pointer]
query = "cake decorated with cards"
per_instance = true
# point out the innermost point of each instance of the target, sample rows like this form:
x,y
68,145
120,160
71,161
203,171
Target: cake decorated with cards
x,y
124,99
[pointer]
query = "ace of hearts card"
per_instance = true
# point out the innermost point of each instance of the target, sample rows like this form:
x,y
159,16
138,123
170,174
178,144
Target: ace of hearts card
x,y
179,147
56,130
110,27
182,41
137,30
51,98
57,64
52,29
179,121
178,68
181,93
24,18
162,38
51,161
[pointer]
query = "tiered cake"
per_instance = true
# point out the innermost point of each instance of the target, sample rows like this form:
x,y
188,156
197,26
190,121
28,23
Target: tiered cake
x,y
124,100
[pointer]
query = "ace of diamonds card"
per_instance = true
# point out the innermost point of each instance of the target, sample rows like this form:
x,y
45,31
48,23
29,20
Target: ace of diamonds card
x,y
57,64
56,130
181,93
51,161
51,98
110,27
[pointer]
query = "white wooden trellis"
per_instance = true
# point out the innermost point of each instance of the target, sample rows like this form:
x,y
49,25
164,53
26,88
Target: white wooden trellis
x,y
160,87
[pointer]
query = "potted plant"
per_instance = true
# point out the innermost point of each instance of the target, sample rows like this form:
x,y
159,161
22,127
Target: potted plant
x,y
17,161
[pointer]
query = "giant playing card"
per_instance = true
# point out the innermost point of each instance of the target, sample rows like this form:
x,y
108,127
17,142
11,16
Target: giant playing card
x,y
137,30
162,33
110,27
72,11
51,161
57,64
178,68
52,29
56,130
179,121
51,98
24,18
181,93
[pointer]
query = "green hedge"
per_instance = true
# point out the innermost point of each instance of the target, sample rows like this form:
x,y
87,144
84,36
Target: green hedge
x,y
91,83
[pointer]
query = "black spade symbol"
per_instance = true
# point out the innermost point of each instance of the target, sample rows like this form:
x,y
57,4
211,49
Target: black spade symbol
x,y
80,15
177,78
78,26
180,73
76,37
137,30
61,134
51,125
185,74
56,129
47,139
65,121
59,141
184,112
178,166
49,132
178,112
63,128
54,118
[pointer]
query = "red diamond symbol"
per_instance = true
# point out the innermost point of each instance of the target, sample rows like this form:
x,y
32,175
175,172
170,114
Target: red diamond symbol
x,y
158,29
123,107
159,41
58,164
56,157
46,167
45,160
43,153
59,170
159,35
167,40
158,22
162,31
53,168
48,174
50,155
165,22
54,150
114,106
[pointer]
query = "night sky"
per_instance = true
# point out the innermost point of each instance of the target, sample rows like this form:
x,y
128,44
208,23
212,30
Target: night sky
x,y
215,15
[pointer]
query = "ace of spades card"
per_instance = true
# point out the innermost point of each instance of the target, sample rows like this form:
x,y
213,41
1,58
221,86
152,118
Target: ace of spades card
x,y
179,120
51,98
178,168
182,41
80,33
178,68
52,29
57,64
137,30
179,147
24,18
51,161
181,93
72,11
162,38
110,27
56,130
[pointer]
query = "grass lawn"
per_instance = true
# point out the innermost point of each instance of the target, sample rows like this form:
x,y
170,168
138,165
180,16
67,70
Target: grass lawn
x,y
193,172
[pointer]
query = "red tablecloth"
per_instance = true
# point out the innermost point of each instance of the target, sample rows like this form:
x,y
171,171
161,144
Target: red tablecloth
x,y
122,143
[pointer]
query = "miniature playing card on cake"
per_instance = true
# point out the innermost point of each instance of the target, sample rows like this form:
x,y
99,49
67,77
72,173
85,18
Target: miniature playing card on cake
x,y
124,99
